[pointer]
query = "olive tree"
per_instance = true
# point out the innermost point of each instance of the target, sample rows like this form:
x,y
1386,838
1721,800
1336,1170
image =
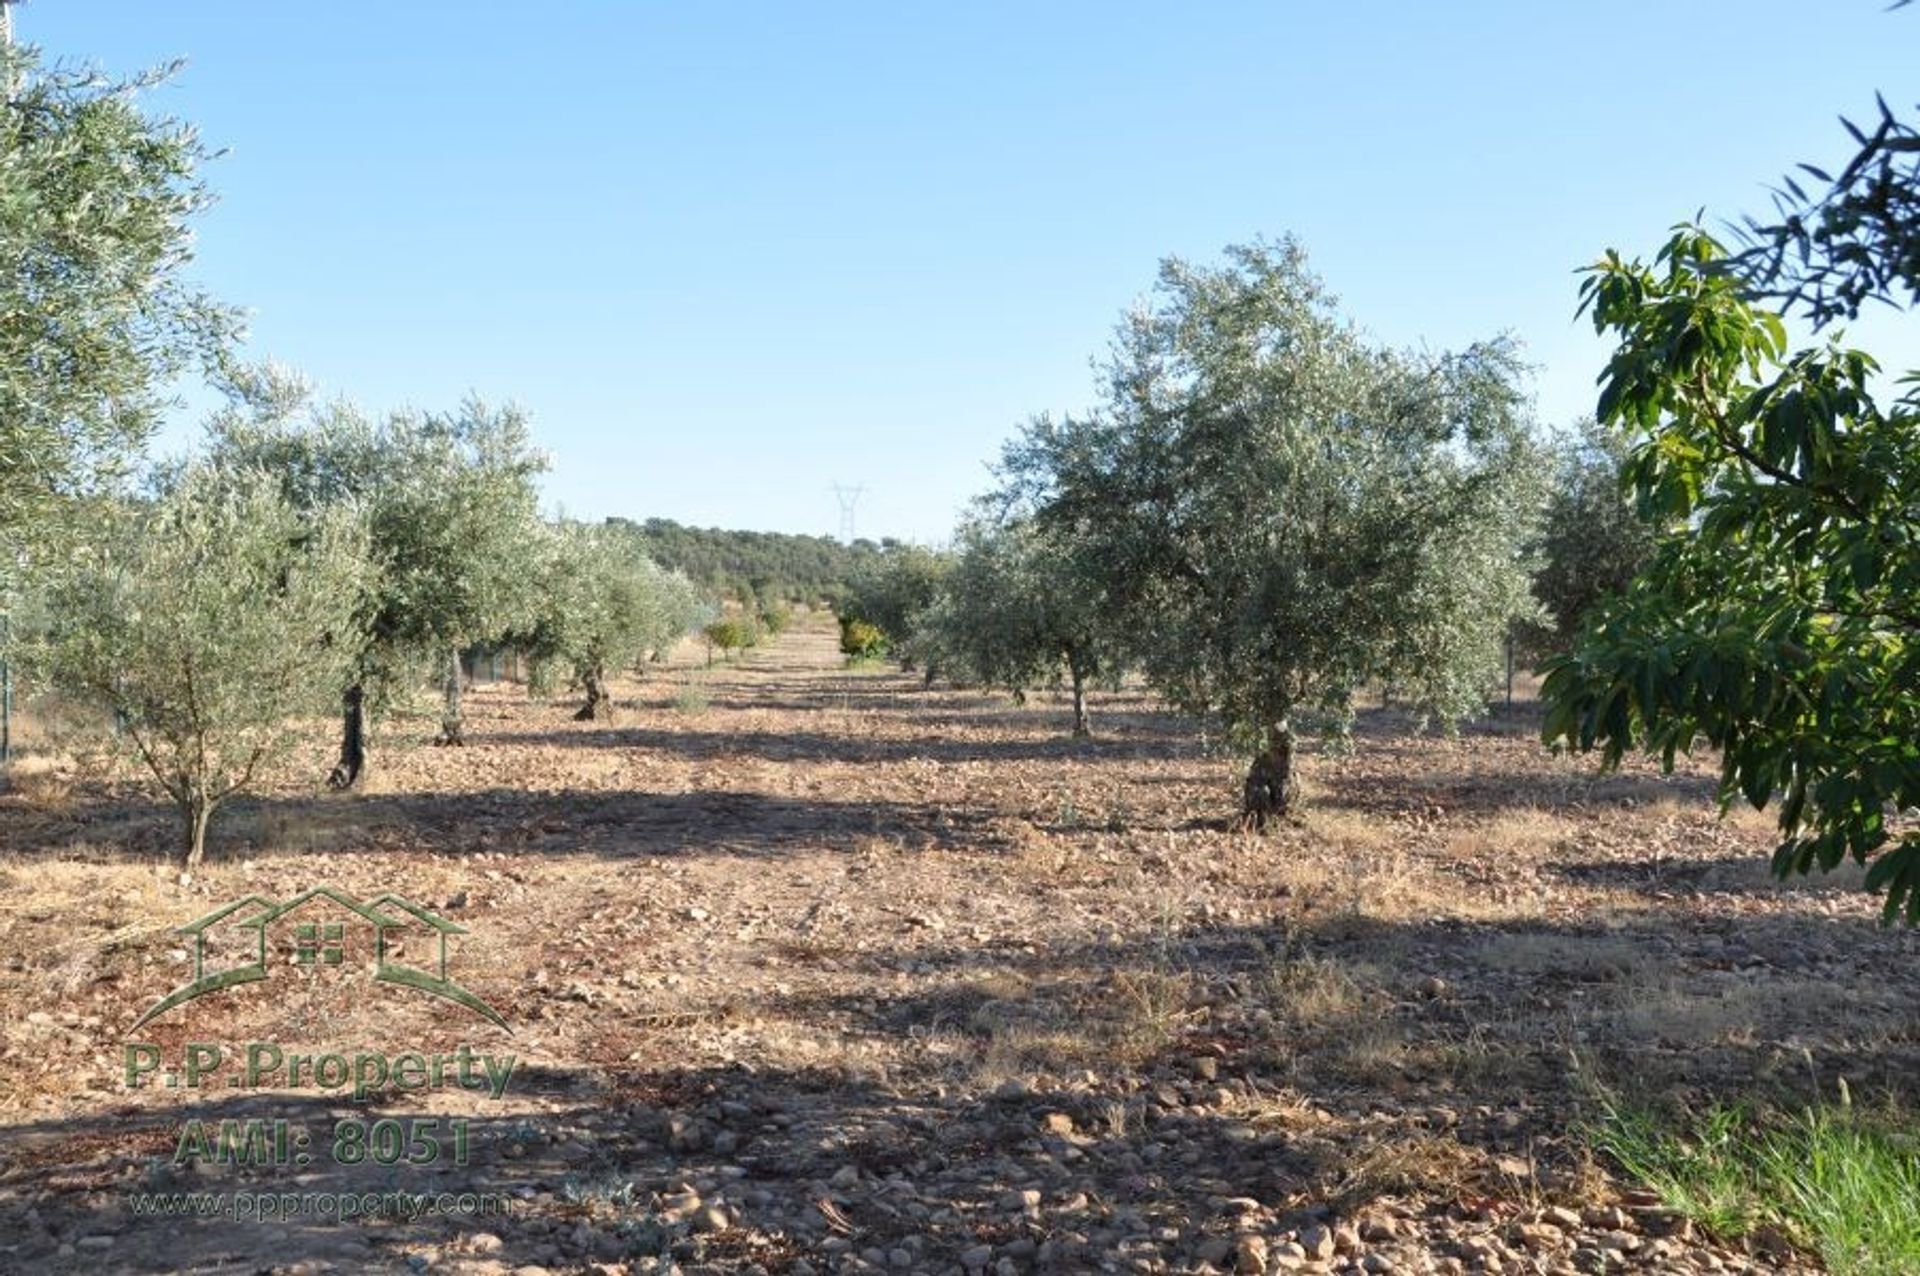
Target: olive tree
x,y
1777,620
1020,608
456,514
1592,540
451,501
97,200
208,623
1283,511
604,607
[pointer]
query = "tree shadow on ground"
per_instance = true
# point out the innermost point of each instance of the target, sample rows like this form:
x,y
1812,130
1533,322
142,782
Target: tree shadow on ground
x,y
613,824
854,748
1345,1058
1417,786
1684,875
805,1163
1487,1018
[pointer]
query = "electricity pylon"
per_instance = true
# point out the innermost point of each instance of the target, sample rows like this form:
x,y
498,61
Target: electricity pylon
x,y
849,497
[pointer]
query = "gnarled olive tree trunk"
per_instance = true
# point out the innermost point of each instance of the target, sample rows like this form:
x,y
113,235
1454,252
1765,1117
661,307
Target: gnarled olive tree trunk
x,y
599,705
1082,724
1269,788
452,723
347,772
196,812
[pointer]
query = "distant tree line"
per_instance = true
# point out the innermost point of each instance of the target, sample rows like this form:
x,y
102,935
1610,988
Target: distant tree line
x,y
757,568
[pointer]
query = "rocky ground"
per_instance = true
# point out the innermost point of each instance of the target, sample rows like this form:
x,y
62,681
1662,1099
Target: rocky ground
x,y
815,970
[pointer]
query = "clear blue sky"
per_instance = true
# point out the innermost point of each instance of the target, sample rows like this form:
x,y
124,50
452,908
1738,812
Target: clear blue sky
x,y
729,254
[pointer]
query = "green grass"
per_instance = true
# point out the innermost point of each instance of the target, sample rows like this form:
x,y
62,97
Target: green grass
x,y
1837,1180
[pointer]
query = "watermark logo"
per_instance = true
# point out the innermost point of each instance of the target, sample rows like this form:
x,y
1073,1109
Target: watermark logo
x,y
319,926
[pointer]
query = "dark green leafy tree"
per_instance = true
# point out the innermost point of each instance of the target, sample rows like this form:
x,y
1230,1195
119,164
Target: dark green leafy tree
x,y
1592,539
1021,609
1854,239
208,623
1282,511
97,201
451,504
1779,618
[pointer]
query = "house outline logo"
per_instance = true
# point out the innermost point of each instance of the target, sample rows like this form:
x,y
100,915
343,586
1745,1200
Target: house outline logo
x,y
321,943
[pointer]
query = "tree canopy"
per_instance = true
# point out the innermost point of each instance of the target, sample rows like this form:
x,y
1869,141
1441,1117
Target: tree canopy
x,y
452,508
97,201
1777,619
1854,239
1283,511
206,623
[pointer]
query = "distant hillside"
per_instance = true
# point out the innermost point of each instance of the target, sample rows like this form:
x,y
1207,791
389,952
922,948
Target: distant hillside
x,y
772,564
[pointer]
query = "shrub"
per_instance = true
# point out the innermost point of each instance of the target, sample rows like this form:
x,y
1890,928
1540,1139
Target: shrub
x,y
860,640
729,635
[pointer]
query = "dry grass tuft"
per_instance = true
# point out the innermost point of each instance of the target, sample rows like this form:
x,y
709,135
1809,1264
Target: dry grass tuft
x,y
1418,1164
1529,833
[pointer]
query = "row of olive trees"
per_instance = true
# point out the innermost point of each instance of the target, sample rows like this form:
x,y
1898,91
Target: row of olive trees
x,y
312,558
1020,603
451,505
